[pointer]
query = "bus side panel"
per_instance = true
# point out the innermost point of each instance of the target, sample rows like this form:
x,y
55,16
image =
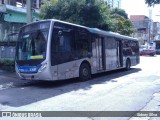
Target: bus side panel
x,y
67,70
133,60
54,71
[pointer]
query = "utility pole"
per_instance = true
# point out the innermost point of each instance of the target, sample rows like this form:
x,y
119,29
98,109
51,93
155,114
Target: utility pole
x,y
29,11
149,33
149,27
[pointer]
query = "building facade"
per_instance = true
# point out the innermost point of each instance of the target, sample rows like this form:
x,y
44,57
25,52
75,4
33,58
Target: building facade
x,y
143,28
36,4
13,15
114,3
156,30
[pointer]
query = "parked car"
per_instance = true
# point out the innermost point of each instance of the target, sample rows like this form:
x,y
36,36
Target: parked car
x,y
151,52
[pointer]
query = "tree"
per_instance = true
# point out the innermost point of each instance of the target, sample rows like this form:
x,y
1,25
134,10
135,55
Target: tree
x,y
120,12
152,2
122,25
91,13
121,22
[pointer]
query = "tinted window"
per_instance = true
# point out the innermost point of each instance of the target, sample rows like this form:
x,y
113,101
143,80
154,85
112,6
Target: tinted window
x,y
62,45
83,44
130,48
110,43
69,43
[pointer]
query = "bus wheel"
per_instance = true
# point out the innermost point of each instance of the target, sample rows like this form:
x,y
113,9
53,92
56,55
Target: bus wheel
x,y
84,72
128,65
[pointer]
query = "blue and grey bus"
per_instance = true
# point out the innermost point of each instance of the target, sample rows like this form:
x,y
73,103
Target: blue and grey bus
x,y
58,50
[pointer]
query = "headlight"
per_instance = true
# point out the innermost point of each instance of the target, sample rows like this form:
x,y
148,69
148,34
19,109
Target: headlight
x,y
43,66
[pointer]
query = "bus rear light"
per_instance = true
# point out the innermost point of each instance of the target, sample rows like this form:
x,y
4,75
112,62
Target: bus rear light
x,y
43,66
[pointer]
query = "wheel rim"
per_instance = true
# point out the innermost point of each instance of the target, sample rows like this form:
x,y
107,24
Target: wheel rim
x,y
85,72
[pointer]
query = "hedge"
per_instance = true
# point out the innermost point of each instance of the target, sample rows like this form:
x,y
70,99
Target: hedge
x,y
8,65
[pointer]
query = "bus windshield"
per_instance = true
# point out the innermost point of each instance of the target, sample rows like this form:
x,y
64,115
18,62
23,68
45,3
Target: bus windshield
x,y
32,44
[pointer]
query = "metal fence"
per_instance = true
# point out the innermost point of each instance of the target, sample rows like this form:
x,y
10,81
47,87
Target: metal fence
x,y
7,52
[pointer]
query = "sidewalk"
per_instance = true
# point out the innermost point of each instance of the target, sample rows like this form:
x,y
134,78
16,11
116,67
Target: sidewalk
x,y
7,73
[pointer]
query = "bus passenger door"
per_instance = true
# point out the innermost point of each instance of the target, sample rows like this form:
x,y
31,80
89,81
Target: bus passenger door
x,y
98,53
119,54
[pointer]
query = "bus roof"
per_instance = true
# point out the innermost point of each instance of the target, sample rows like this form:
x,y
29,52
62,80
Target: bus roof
x,y
55,20
92,30
98,31
111,34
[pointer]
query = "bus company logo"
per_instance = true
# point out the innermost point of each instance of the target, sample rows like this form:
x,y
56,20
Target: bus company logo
x,y
6,114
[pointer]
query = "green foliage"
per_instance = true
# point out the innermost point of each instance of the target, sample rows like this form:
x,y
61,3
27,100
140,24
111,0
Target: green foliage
x,y
121,22
8,65
152,2
122,25
120,12
91,13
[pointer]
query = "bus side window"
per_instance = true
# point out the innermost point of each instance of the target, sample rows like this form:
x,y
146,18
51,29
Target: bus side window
x,y
127,51
61,46
64,42
83,44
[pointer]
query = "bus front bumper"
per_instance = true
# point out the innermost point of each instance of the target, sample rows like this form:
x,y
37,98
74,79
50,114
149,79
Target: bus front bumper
x,y
44,75
35,76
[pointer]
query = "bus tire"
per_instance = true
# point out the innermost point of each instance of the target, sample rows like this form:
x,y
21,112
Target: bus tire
x,y
128,65
84,72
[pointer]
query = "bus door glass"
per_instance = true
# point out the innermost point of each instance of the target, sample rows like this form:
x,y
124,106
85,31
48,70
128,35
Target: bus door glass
x,y
119,53
99,53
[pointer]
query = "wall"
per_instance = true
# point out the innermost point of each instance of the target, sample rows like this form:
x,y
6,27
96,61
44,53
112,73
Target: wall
x,y
7,52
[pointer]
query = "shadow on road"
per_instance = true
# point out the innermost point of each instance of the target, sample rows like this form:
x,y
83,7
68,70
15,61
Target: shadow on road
x,y
102,77
34,91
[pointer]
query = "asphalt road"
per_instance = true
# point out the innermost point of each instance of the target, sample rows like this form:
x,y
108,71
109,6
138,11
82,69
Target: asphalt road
x,y
134,90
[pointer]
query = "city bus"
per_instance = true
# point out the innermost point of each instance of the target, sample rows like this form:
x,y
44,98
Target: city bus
x,y
57,50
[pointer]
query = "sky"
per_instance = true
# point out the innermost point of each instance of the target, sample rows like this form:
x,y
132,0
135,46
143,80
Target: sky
x,y
138,7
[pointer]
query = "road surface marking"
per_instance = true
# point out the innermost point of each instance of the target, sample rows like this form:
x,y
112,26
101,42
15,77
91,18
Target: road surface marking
x,y
6,86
